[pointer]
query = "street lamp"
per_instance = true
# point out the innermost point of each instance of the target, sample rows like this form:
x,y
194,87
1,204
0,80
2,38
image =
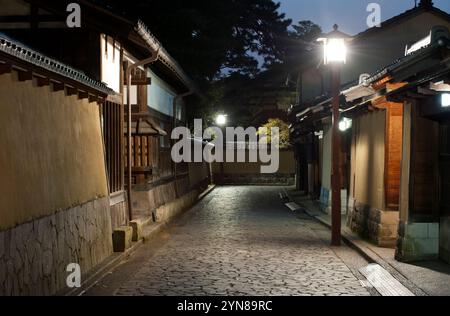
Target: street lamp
x,y
221,120
345,124
335,55
445,100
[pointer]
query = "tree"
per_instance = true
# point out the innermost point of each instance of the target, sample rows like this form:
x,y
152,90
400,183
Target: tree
x,y
306,31
236,50
265,132
210,38
301,41
243,96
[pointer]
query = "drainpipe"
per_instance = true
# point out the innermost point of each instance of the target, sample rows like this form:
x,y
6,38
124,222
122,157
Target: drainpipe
x,y
174,125
130,68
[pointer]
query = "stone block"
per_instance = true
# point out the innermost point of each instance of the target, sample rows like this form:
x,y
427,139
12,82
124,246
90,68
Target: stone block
x,y
122,238
137,225
390,217
387,242
387,231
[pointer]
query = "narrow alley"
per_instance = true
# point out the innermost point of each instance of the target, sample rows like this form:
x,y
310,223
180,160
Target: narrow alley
x,y
239,241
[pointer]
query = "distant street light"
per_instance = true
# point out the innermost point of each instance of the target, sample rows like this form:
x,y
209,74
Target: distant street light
x,y
335,55
345,124
221,120
445,100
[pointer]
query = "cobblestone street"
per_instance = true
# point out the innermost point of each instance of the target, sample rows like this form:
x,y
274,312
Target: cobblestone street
x,y
240,241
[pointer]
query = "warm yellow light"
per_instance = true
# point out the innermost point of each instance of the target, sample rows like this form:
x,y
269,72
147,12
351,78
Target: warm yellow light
x,y
221,120
335,51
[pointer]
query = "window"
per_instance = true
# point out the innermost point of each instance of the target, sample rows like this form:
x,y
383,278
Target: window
x,y
112,121
110,62
161,96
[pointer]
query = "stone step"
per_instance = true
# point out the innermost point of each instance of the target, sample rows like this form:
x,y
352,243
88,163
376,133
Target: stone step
x,y
138,225
380,279
294,207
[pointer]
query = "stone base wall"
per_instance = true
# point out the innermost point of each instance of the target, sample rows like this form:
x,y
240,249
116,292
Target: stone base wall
x,y
417,242
255,179
378,226
34,256
146,200
167,212
119,215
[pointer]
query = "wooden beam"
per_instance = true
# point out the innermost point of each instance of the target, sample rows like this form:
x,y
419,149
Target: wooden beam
x,y
381,83
415,95
83,95
25,75
140,82
71,90
380,103
5,69
42,82
394,86
426,91
58,86
93,98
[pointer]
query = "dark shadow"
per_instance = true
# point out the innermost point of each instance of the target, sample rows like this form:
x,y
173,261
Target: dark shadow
x,y
437,266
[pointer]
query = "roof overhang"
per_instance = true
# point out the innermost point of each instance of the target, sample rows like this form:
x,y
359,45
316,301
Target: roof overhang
x,y
15,55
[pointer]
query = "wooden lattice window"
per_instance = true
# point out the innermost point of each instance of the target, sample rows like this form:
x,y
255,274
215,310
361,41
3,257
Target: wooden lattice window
x,y
113,127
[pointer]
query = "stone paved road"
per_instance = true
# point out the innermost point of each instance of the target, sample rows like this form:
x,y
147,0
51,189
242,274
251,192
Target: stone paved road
x,y
243,241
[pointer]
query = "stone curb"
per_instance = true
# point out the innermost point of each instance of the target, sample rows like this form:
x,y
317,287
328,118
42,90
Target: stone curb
x,y
362,248
115,260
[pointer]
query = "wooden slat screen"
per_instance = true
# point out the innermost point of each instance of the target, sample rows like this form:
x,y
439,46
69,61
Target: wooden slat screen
x,y
144,153
394,140
112,115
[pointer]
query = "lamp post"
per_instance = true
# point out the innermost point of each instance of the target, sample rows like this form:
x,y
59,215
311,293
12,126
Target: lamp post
x,y
335,55
221,120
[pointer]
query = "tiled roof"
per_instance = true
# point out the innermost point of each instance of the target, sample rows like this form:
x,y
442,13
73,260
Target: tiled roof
x,y
392,68
164,56
22,52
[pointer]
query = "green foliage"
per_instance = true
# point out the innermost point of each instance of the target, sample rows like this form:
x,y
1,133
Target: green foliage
x,y
239,52
306,31
243,96
210,37
265,134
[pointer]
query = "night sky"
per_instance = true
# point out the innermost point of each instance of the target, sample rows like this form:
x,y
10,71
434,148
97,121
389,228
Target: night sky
x,y
351,15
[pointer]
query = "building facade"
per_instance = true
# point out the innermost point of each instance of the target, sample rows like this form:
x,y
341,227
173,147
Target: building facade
x,y
69,141
373,151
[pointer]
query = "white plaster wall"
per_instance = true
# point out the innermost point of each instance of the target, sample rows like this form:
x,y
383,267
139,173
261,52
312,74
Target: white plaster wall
x,y
368,159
